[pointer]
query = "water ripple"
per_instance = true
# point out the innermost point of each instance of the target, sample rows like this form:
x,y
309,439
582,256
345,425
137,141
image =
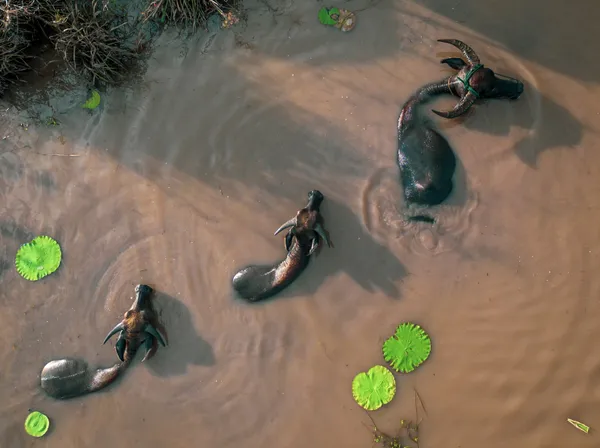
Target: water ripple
x,y
383,213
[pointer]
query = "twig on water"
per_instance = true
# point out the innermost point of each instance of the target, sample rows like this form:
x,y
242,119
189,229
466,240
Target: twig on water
x,y
45,153
56,155
416,439
417,396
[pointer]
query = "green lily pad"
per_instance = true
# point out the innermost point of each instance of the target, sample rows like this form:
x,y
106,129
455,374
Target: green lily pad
x,y
375,388
37,424
325,15
38,258
408,348
93,101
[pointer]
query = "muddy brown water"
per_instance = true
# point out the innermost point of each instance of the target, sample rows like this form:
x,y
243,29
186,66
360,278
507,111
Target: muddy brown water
x,y
182,180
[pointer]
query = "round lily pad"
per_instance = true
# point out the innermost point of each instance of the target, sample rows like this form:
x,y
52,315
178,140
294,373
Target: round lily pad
x,y
408,348
37,424
38,258
375,388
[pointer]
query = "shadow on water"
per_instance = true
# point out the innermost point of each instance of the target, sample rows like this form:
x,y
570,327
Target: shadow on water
x,y
302,149
10,229
554,42
4,266
185,346
259,142
15,235
353,254
45,180
544,134
460,187
11,167
15,437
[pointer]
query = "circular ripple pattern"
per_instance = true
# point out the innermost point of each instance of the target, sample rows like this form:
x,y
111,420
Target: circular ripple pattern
x,y
384,216
226,361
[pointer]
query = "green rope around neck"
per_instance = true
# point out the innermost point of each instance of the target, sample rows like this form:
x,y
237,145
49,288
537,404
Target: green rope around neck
x,y
465,81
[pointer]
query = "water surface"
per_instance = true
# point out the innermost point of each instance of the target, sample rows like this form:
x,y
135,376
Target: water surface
x,y
179,182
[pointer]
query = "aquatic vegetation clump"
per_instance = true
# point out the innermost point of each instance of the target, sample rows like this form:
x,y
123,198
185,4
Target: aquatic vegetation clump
x,y
191,14
406,437
373,389
106,41
15,39
38,258
408,348
342,19
94,38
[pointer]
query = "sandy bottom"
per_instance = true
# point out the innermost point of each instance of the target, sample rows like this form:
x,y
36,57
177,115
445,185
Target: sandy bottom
x,y
181,181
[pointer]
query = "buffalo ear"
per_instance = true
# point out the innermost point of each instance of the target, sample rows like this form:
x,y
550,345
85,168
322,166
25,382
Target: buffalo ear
x,y
455,63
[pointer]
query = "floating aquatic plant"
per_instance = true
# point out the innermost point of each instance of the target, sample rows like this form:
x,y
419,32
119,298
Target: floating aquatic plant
x,y
325,15
38,258
408,348
37,424
93,101
407,434
373,389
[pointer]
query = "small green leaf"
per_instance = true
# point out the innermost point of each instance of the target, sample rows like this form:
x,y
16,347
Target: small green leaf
x,y
580,426
93,101
375,388
325,15
37,424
